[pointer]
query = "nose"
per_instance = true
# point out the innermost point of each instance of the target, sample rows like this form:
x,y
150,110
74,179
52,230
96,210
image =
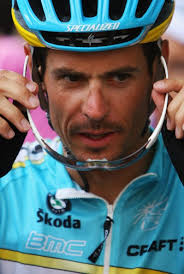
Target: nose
x,y
95,106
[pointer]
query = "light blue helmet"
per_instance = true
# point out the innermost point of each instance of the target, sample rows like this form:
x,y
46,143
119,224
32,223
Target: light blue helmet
x,y
91,25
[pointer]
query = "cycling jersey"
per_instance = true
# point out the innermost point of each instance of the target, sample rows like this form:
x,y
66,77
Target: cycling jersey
x,y
49,225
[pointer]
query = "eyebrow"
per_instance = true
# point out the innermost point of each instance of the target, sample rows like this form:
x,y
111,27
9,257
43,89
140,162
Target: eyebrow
x,y
121,70
59,72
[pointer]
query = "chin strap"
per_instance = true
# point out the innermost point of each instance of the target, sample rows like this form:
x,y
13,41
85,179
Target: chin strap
x,y
84,180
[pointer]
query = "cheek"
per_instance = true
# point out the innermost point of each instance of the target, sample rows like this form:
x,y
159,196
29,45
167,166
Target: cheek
x,y
133,103
58,111
134,109
64,108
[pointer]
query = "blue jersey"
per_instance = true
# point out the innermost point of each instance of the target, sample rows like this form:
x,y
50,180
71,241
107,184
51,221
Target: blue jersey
x,y
49,225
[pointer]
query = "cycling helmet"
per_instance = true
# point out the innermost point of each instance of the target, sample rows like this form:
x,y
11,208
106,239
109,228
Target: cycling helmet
x,y
91,25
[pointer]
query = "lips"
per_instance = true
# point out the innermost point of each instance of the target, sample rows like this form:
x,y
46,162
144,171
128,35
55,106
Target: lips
x,y
95,136
96,140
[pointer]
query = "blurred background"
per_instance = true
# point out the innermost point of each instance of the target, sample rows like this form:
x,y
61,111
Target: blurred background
x,y
12,55
175,35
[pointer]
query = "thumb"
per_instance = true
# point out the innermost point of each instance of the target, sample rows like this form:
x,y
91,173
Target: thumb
x,y
158,99
168,85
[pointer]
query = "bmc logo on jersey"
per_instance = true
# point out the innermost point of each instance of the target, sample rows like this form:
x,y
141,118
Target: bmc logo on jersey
x,y
48,243
58,206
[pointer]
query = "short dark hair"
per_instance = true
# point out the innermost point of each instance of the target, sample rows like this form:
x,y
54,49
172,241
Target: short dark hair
x,y
151,51
39,60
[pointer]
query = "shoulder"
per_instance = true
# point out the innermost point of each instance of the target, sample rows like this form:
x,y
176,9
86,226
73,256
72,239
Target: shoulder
x,y
162,164
32,153
32,160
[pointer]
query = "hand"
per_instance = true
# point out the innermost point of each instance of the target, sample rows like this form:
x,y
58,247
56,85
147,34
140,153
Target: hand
x,y
24,95
175,110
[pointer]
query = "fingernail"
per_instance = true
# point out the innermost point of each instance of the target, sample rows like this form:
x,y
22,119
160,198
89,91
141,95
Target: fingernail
x,y
169,124
11,134
159,85
25,124
31,86
33,100
178,133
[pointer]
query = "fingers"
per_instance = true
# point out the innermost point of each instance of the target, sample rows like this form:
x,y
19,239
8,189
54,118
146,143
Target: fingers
x,y
13,115
175,110
24,94
175,115
158,99
19,89
168,85
5,129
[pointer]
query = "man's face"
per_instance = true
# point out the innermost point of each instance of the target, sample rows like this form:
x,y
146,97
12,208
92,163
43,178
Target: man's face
x,y
99,101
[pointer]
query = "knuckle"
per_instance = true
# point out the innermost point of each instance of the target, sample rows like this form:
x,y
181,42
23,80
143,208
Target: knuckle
x,y
3,78
21,80
4,127
3,101
178,118
3,73
170,109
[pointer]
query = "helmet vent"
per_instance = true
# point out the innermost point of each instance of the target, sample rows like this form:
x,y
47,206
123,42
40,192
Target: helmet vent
x,y
62,9
116,8
16,5
142,7
98,39
89,8
37,8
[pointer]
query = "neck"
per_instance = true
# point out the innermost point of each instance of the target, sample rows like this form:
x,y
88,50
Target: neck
x,y
108,184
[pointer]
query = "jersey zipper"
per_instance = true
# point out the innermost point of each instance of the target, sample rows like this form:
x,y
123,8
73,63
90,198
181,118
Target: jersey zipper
x,y
108,242
77,194
107,228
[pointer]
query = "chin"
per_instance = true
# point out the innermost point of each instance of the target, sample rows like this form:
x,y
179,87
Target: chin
x,y
97,156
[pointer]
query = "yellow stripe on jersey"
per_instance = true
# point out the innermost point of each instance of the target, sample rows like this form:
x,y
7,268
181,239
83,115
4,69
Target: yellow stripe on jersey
x,y
18,164
59,264
115,270
51,263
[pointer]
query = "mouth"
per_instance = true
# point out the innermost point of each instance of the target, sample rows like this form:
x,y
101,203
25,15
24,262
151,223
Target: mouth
x,y
96,136
96,139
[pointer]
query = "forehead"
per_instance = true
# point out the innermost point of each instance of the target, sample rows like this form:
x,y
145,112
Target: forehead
x,y
97,61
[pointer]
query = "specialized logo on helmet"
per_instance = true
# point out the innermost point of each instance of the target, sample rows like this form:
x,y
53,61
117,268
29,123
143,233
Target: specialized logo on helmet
x,y
91,38
93,27
58,206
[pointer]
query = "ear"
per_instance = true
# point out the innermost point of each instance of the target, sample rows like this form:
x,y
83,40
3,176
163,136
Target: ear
x,y
42,94
159,72
27,51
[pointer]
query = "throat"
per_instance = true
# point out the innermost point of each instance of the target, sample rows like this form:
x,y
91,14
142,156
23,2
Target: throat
x,y
109,184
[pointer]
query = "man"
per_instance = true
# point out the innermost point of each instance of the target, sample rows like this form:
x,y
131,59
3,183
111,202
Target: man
x,y
95,81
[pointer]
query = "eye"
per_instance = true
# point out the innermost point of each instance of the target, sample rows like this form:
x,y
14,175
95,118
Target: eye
x,y
71,77
121,77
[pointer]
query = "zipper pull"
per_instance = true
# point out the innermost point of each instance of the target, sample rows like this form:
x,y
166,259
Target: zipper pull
x,y
96,253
